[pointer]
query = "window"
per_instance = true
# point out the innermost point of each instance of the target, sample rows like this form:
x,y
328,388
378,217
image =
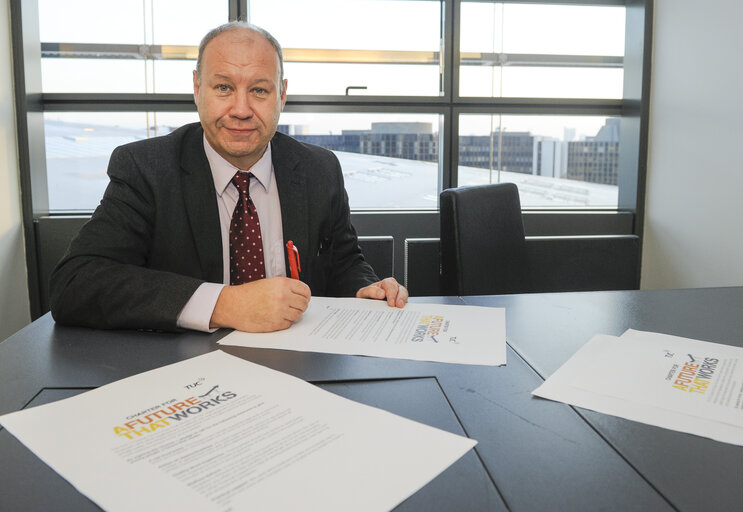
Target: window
x,y
541,51
413,96
390,161
544,156
79,144
537,80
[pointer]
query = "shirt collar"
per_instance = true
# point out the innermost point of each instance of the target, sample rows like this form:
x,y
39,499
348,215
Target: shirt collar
x,y
223,171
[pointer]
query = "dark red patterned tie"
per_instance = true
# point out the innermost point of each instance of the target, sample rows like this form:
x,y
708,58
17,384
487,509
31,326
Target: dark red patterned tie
x,y
246,244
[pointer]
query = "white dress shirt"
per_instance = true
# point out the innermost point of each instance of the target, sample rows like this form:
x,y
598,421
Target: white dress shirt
x,y
265,195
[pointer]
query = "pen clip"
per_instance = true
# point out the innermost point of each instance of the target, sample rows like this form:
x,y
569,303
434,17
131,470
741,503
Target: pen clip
x,y
293,254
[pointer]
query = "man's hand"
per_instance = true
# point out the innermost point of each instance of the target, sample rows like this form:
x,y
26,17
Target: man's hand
x,y
395,293
265,305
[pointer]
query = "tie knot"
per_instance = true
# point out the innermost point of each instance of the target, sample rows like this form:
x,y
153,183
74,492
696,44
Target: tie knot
x,y
242,181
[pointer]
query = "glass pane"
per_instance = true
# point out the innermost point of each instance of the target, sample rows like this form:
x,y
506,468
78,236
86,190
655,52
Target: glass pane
x,y
93,75
117,76
185,22
562,82
362,79
556,161
91,21
559,51
180,22
115,68
542,29
541,82
381,45
79,144
388,160
351,24
173,76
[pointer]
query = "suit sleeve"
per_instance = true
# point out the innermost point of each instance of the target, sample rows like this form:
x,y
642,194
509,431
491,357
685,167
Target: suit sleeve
x,y
103,280
349,270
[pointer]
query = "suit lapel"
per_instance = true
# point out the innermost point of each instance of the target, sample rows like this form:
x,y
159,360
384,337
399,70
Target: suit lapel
x,y
291,182
199,196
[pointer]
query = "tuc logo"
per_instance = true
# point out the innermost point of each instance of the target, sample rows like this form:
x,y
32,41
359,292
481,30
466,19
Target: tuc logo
x,y
195,384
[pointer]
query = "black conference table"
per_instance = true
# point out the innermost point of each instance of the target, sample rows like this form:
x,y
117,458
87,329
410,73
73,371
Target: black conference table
x,y
532,454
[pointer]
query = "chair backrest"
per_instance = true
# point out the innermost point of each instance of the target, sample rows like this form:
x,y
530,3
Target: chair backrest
x,y
483,248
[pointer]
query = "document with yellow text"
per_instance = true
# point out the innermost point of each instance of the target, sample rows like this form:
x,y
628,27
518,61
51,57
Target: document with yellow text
x,y
420,331
218,433
677,383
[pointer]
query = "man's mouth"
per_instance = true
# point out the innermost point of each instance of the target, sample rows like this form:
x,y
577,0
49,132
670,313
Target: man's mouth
x,y
240,131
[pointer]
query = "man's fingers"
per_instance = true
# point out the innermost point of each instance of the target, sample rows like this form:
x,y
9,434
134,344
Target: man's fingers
x,y
299,288
298,305
402,296
389,288
368,292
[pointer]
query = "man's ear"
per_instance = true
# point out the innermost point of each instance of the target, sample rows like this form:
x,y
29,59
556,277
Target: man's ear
x,y
195,87
283,93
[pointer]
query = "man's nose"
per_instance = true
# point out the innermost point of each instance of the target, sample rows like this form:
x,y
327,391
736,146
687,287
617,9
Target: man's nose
x,y
242,106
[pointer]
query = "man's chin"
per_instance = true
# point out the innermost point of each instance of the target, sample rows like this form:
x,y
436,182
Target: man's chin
x,y
239,155
244,147
239,152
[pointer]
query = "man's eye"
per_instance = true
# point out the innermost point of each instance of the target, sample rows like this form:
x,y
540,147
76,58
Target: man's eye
x,y
260,91
223,88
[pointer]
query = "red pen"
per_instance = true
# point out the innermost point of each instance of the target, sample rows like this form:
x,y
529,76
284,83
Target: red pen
x,y
293,254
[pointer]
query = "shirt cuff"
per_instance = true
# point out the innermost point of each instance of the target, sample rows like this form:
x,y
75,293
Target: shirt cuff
x,y
197,312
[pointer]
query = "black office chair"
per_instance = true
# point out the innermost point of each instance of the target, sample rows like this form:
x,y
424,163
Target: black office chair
x,y
483,247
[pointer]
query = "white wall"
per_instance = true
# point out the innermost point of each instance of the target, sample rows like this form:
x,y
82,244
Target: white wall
x,y
694,205
14,305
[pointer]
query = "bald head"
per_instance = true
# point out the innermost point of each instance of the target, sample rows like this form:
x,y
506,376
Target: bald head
x,y
240,25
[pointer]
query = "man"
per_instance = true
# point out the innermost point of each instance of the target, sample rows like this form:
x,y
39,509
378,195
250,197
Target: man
x,y
158,248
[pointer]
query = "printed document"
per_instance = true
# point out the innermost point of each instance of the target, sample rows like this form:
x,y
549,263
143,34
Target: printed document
x,y
219,433
677,383
423,332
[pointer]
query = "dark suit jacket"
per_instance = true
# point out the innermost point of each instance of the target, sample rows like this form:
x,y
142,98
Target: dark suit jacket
x,y
155,237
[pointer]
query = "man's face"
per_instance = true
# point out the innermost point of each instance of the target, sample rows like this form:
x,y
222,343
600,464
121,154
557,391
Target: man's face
x,y
239,97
